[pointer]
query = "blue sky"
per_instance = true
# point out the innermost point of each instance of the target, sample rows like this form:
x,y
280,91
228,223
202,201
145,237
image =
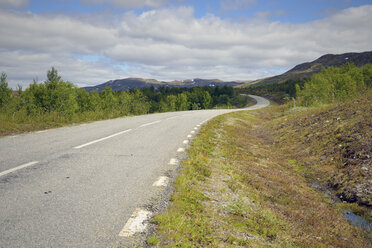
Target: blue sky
x,y
93,41
284,11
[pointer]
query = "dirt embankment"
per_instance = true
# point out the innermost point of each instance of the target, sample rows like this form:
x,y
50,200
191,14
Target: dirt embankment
x,y
334,144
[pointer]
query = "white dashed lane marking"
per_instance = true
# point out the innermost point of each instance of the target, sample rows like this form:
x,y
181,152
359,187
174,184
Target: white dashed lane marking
x,y
151,123
180,149
102,139
17,168
170,118
185,142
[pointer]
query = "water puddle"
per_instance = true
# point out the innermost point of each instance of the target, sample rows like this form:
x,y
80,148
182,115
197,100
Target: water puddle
x,y
359,222
354,219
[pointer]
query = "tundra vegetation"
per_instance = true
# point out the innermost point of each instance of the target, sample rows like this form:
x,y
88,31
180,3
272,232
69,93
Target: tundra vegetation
x,y
56,102
282,176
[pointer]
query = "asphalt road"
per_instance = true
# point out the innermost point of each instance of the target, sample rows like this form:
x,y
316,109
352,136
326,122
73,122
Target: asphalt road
x,y
77,186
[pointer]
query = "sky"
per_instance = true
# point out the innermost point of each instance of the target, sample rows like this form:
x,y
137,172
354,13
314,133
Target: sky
x,y
92,41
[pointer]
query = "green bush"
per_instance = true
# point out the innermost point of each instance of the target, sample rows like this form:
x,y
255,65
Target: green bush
x,y
334,84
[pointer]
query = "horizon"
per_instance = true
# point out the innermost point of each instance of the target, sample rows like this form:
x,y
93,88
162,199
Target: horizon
x,y
91,42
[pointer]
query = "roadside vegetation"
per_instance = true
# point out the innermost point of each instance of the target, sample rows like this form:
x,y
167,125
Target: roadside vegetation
x,y
283,176
249,182
56,103
331,85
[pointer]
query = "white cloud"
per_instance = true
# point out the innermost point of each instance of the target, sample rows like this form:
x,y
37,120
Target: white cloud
x,y
13,3
132,4
22,67
169,44
52,33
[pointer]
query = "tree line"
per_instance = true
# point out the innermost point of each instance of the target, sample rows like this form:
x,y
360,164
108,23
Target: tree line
x,y
61,101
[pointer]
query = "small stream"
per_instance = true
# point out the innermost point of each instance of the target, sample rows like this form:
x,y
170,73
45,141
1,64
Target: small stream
x,y
359,222
354,219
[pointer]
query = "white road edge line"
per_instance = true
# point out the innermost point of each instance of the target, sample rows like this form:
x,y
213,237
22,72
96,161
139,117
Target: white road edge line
x,y
148,124
99,140
180,149
189,136
161,182
136,223
192,132
42,131
185,141
17,168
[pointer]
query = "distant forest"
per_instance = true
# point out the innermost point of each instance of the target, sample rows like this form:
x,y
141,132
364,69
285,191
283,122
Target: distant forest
x,y
56,100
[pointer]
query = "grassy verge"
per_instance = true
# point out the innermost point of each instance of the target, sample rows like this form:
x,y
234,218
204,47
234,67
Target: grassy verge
x,y
12,126
248,182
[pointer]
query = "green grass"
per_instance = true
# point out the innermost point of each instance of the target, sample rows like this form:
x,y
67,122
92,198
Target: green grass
x,y
152,241
18,123
189,224
247,183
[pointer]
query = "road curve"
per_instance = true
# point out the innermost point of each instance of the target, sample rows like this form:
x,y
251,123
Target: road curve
x,y
78,186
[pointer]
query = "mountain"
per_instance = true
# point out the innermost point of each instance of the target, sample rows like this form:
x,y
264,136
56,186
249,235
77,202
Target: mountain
x,y
306,70
139,83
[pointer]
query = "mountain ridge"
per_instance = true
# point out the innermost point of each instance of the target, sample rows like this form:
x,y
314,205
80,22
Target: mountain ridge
x,y
139,83
298,72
